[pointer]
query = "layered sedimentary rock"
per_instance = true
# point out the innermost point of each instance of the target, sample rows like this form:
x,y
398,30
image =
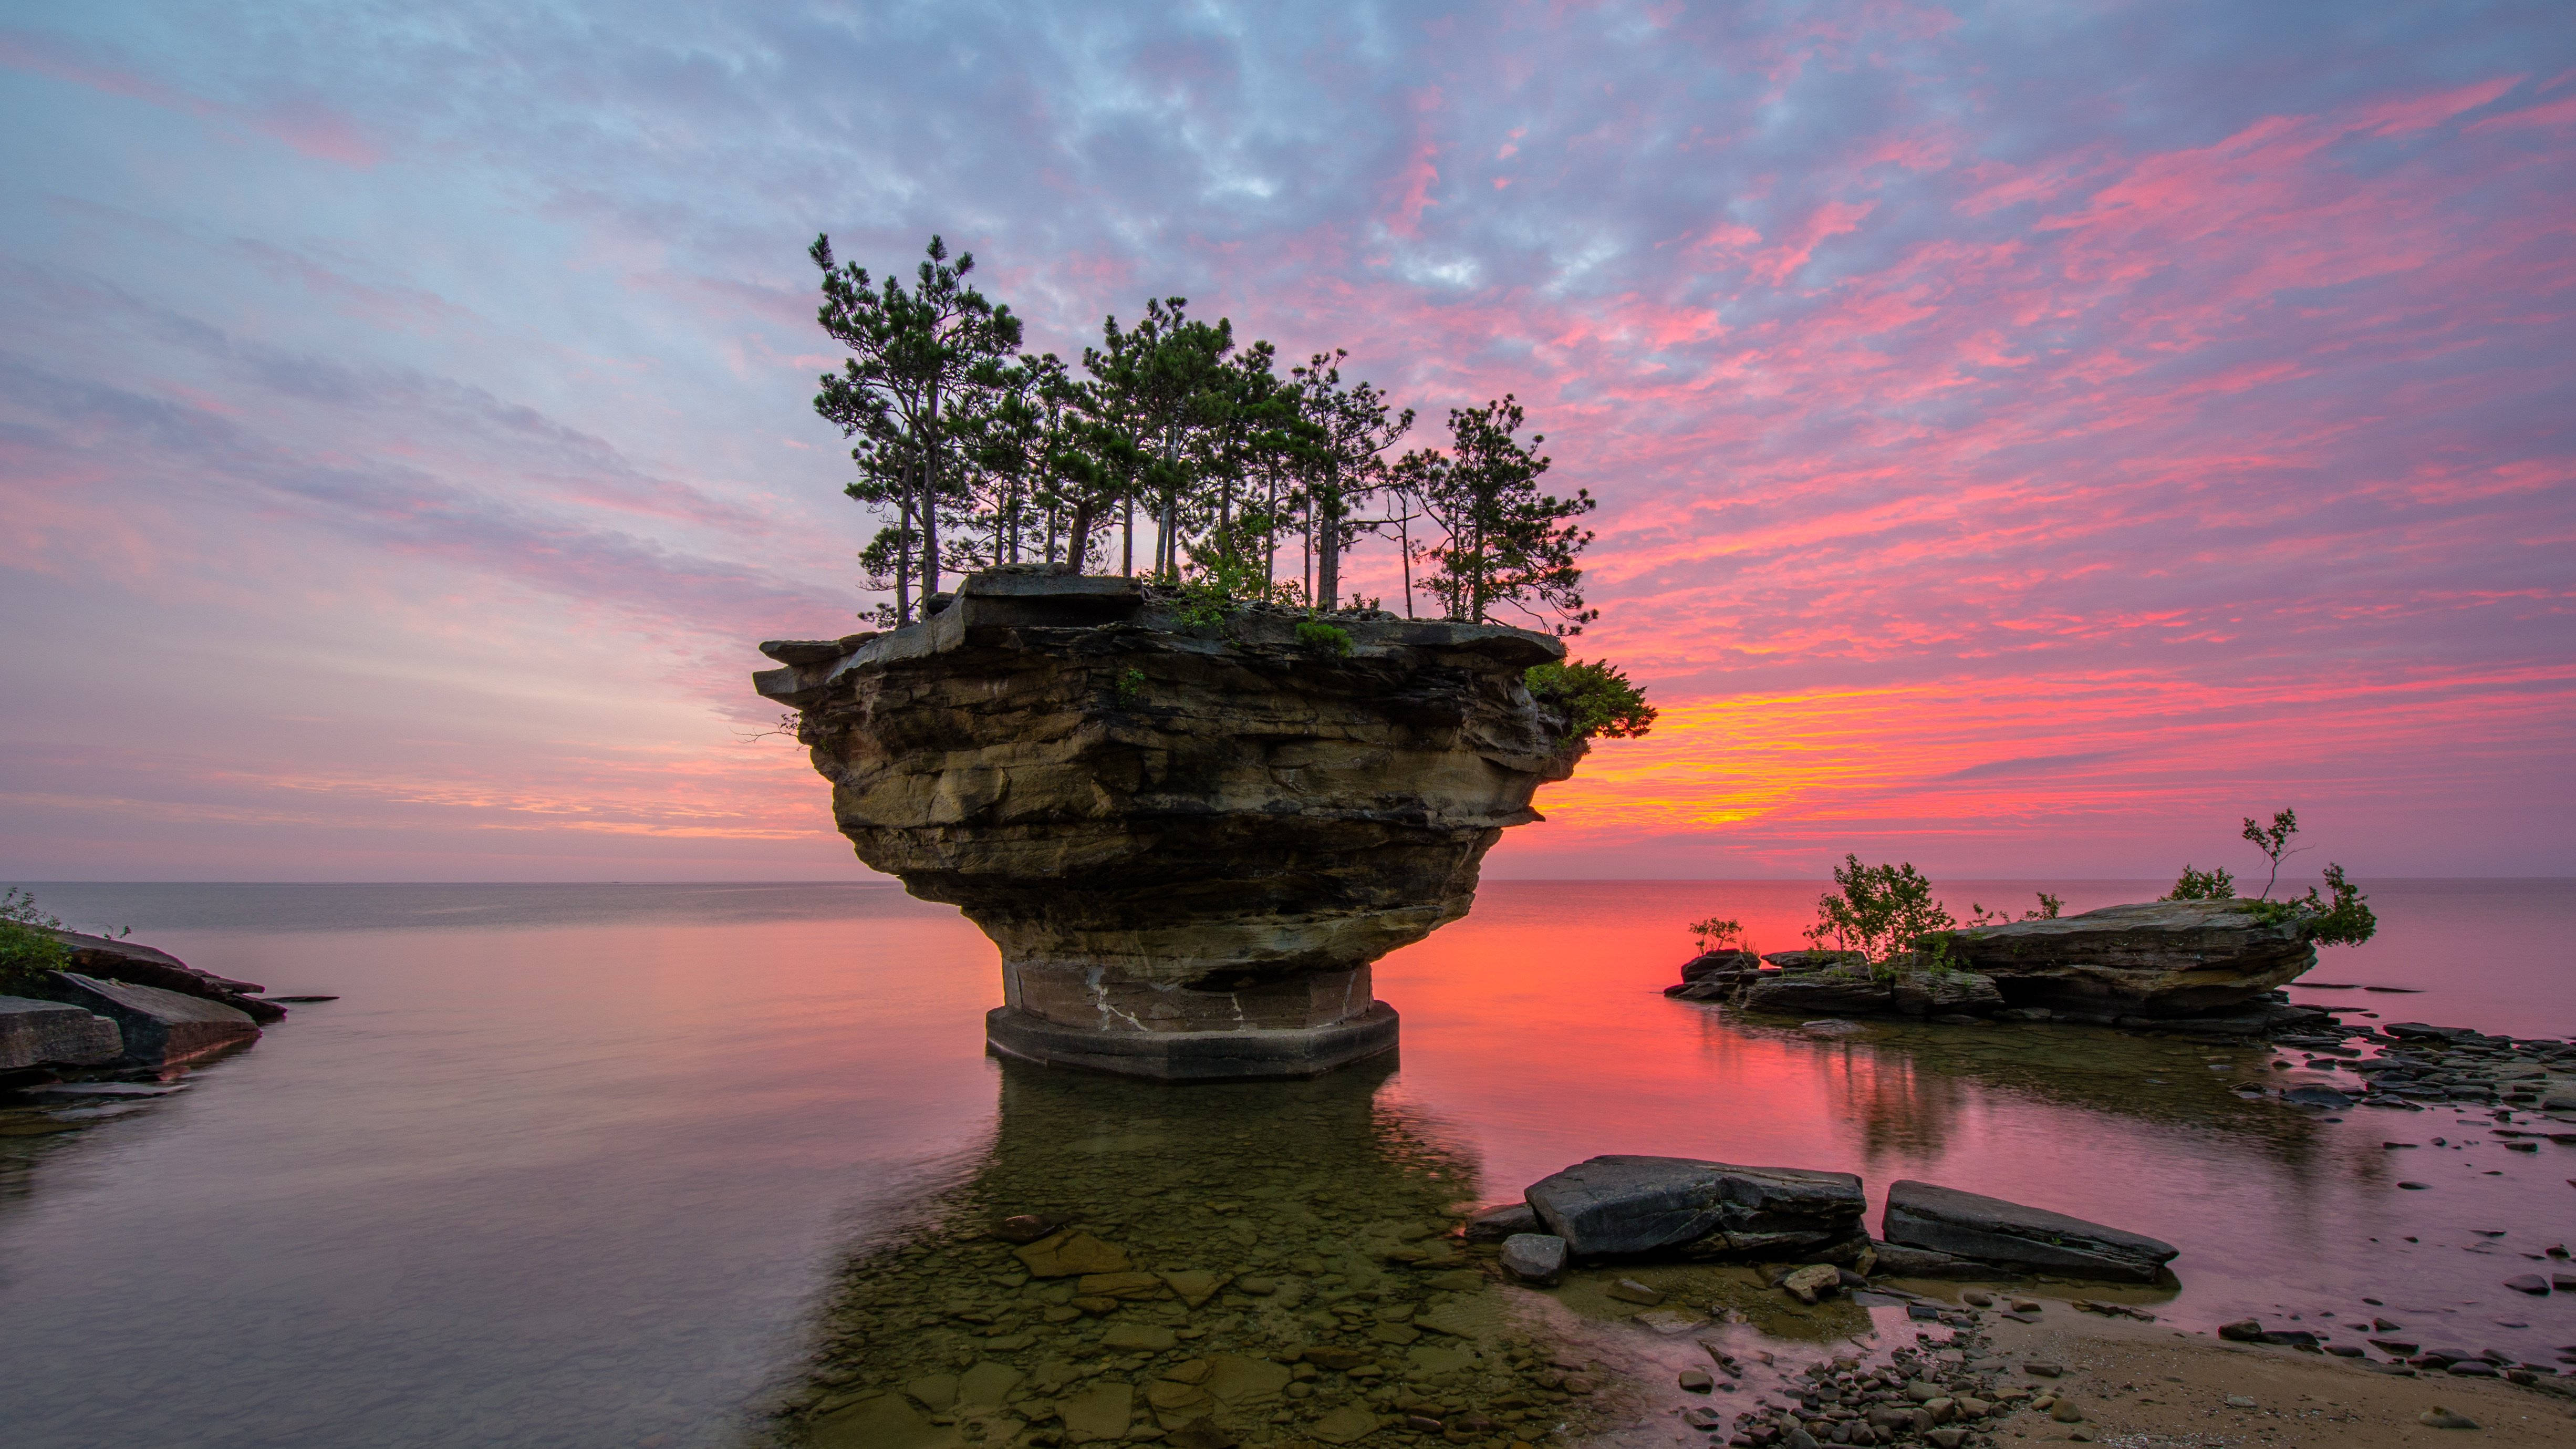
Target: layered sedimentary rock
x,y
159,1027
54,1033
2161,958
2208,964
1189,839
112,960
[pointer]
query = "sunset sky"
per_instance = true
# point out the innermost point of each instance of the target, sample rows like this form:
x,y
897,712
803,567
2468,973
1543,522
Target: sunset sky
x,y
2030,436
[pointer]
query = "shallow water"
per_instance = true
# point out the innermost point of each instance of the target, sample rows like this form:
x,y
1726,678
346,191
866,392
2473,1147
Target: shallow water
x,y
592,1164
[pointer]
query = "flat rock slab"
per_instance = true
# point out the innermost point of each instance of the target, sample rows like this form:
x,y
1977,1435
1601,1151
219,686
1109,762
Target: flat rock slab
x,y
2171,957
1613,1207
1968,1225
54,1033
159,1026
1819,993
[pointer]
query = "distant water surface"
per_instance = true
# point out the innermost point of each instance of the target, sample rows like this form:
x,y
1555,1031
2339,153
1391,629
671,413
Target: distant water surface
x,y
579,1165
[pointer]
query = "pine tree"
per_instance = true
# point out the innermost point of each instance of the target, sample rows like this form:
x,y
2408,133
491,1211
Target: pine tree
x,y
1504,541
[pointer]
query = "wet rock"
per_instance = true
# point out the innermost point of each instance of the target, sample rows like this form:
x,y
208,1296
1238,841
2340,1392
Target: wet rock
x,y
1497,1223
1346,1425
2531,1283
1024,1228
1137,1337
1099,1411
1946,1220
2316,1096
2163,958
880,1421
1534,1257
1964,993
1130,1285
1897,1260
1629,1290
54,1033
1623,1206
1069,1254
1695,1381
1196,1286
1814,1281
159,1027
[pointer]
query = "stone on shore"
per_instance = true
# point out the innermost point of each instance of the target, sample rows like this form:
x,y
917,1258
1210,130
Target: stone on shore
x,y
1620,1206
37,1033
159,1027
1534,1257
1969,1225
2159,958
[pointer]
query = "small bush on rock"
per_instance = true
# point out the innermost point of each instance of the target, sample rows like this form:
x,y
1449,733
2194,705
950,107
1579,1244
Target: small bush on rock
x,y
2341,917
26,952
1714,934
1323,638
2203,885
1883,912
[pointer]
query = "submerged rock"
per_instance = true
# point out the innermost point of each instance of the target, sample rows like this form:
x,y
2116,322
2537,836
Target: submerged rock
x,y
1968,1225
54,1033
1613,1207
1189,842
159,1027
2159,959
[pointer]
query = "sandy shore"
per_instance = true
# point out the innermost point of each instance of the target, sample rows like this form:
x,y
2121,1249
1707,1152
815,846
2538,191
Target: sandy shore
x,y
2141,1384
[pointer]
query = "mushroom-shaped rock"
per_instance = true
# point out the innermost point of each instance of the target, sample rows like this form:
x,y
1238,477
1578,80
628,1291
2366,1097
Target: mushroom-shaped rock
x,y
1190,840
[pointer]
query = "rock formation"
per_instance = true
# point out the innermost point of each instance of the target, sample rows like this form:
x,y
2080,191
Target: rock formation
x,y
1189,839
1944,1220
159,1028
2160,958
2209,965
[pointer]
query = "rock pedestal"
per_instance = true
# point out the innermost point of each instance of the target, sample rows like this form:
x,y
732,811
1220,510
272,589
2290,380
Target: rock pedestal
x,y
1189,838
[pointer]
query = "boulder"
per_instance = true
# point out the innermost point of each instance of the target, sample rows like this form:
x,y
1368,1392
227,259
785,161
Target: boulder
x,y
159,1027
2159,959
109,959
1534,1257
1719,962
1968,1225
1933,992
1897,1261
1819,993
1620,1207
37,1033
1176,830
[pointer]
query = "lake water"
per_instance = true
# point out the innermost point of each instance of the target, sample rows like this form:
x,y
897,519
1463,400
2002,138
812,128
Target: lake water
x,y
586,1165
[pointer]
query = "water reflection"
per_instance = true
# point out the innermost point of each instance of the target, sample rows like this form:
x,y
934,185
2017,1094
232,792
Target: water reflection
x,y
1242,1262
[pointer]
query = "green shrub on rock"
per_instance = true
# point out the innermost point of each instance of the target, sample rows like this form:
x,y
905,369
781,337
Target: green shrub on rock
x,y
1323,638
2341,917
26,952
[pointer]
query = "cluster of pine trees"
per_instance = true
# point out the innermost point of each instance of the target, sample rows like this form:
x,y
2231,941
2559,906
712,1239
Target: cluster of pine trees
x,y
1252,482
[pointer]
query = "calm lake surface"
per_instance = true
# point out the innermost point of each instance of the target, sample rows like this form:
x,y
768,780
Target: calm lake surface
x,y
581,1165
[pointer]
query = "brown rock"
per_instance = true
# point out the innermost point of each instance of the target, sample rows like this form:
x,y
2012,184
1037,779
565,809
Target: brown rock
x,y
1065,1255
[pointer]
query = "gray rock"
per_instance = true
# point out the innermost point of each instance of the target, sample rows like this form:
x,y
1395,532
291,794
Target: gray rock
x,y
159,1027
2316,1096
1812,960
1819,993
53,1033
1495,1224
1720,963
1924,993
1965,1224
1898,1261
2165,957
1633,1206
1534,1257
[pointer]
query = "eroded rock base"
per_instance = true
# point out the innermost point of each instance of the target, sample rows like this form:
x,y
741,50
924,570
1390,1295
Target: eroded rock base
x,y
1193,1056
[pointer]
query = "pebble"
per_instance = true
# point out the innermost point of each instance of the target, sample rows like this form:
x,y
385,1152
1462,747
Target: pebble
x,y
1697,1381
1629,1290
